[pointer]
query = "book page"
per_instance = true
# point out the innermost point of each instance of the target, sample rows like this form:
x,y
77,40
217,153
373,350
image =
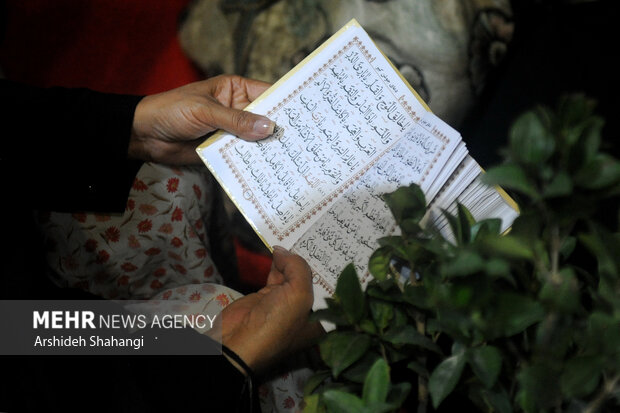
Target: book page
x,y
348,231
337,114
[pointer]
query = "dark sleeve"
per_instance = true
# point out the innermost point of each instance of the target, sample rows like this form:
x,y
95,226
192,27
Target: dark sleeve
x,y
66,149
125,384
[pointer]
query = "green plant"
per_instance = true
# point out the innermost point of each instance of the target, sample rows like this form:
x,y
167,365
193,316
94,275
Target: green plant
x,y
528,321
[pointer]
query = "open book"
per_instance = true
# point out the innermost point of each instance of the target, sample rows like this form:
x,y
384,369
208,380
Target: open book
x,y
349,129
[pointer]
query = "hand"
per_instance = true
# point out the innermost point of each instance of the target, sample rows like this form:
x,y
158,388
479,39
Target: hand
x,y
264,326
168,126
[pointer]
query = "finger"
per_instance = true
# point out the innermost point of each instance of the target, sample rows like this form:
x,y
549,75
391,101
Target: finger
x,y
254,88
175,153
293,268
246,125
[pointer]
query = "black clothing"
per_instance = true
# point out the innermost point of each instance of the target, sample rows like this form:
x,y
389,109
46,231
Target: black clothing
x,y
66,150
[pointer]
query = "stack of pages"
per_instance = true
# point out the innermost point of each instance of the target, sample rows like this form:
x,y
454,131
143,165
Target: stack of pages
x,y
349,129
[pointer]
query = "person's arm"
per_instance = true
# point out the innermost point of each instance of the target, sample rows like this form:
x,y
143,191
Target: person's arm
x,y
66,149
79,150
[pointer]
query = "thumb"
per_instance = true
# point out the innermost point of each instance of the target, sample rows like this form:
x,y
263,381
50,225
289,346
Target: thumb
x,y
294,270
246,125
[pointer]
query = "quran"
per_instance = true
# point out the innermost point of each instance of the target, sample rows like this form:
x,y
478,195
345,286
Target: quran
x,y
349,128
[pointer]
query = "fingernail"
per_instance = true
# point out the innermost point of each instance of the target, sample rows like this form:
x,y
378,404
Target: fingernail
x,y
264,126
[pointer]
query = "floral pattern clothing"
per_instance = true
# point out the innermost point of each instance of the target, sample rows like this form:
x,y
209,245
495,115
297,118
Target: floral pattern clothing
x,y
159,242
163,247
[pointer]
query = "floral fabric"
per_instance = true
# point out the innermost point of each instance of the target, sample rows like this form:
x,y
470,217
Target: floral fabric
x,y
159,242
163,247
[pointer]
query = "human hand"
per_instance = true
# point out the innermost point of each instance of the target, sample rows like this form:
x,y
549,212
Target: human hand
x,y
264,326
168,126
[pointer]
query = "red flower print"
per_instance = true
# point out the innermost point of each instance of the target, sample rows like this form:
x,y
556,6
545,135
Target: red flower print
x,y
200,253
197,191
177,215
145,226
69,262
102,217
131,204
79,217
90,245
176,242
195,296
174,256
139,186
124,280
156,285
166,229
199,224
288,403
133,242
128,267
209,272
191,233
112,234
160,272
222,299
180,268
152,251
148,209
173,185
167,294
102,256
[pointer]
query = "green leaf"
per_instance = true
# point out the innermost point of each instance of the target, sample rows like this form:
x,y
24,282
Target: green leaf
x,y
561,292
338,401
331,315
377,383
416,295
382,313
486,227
409,335
398,393
581,376
379,263
359,370
311,404
560,185
498,400
349,292
508,246
600,172
531,141
455,226
466,220
465,263
339,350
510,176
315,381
486,363
445,377
515,313
417,368
406,202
